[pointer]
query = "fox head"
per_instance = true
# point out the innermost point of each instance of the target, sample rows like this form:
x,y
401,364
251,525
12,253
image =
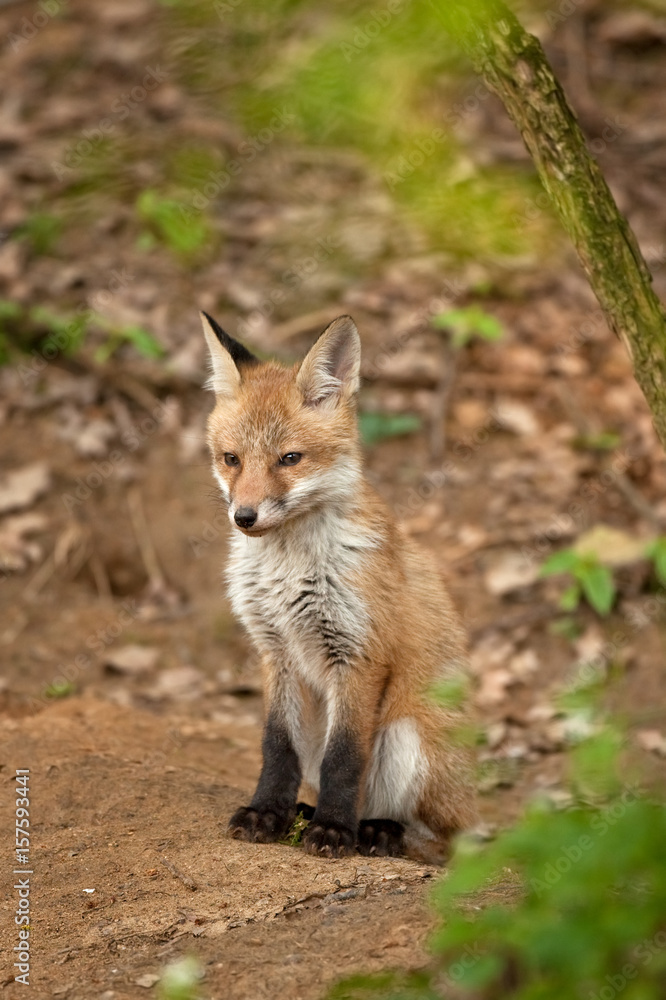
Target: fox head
x,y
284,440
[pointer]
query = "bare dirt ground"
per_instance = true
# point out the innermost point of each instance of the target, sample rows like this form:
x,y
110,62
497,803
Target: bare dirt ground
x,y
114,539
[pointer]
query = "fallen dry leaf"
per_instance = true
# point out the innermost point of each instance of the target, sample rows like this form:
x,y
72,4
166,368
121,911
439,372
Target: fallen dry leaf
x,y
611,546
93,439
541,712
22,487
524,664
516,417
510,572
496,733
653,741
16,550
131,659
493,687
470,413
489,653
589,645
147,980
179,682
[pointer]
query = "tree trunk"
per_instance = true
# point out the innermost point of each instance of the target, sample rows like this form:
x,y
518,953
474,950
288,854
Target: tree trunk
x,y
514,66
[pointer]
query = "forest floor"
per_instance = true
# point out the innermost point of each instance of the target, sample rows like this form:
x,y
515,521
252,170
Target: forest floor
x,y
126,688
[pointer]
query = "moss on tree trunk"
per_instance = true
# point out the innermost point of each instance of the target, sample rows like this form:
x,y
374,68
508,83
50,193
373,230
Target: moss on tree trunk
x,y
514,66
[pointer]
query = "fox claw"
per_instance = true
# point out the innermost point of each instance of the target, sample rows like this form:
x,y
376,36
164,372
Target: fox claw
x,y
382,838
259,826
332,840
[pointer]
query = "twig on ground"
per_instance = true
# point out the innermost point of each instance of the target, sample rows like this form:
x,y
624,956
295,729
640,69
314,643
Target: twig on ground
x,y
100,575
156,578
637,500
177,873
308,323
40,579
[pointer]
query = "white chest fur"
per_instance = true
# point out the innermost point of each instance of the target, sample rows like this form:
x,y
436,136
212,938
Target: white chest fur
x,y
292,590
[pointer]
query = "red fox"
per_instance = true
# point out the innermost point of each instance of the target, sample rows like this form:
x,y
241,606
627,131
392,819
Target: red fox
x,y
351,618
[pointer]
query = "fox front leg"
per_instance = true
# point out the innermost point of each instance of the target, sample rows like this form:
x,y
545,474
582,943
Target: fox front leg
x,y
273,807
333,828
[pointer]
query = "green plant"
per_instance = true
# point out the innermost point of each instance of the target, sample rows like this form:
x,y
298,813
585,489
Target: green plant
x,y
59,689
293,838
141,340
9,312
568,627
465,324
602,441
41,231
377,426
656,552
568,904
65,333
180,980
383,86
183,231
591,580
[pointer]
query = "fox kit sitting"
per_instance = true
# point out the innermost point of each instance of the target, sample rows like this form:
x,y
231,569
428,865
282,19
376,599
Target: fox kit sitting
x,y
351,618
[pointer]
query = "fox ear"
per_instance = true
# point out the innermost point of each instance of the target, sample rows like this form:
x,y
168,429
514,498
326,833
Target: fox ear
x,y
225,356
330,371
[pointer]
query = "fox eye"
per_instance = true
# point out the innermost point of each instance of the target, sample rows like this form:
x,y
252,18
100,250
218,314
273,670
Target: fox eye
x,y
291,458
230,459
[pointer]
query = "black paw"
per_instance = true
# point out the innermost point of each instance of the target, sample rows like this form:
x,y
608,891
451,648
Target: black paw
x,y
261,826
331,840
381,837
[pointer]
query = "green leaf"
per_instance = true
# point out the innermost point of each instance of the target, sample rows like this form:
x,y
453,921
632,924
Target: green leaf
x,y
143,341
67,333
180,980
567,627
598,586
4,349
140,339
376,427
594,762
183,230
452,693
656,551
570,599
464,324
42,231
293,837
59,689
604,441
9,310
565,561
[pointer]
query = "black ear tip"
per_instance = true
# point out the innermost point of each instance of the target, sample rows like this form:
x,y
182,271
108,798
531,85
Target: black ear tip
x,y
238,351
219,332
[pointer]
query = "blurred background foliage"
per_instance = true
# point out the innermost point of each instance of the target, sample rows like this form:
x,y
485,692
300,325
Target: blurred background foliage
x,y
382,92
382,82
384,85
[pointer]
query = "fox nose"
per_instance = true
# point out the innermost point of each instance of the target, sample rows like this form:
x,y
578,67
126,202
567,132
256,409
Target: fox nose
x,y
245,517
